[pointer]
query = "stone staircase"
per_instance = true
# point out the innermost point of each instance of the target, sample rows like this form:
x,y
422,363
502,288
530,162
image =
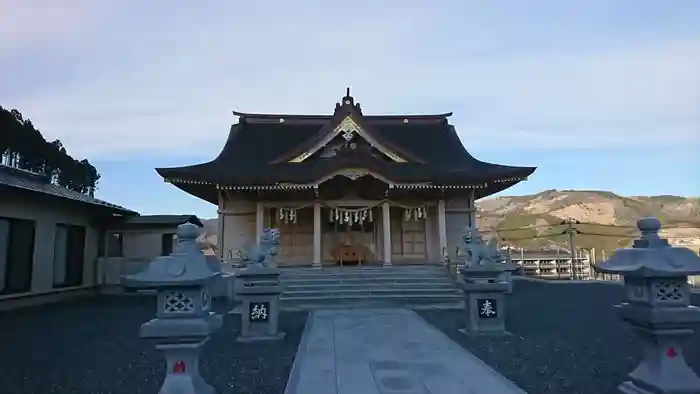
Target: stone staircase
x,y
414,286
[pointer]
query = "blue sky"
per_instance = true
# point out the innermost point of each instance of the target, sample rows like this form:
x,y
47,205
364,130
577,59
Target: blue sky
x,y
598,94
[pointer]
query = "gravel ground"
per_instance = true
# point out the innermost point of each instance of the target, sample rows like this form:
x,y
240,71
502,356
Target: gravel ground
x,y
92,346
567,339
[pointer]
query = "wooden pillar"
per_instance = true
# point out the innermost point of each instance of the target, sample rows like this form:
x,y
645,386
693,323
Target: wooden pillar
x,y
259,221
317,235
386,228
220,235
472,213
442,228
220,224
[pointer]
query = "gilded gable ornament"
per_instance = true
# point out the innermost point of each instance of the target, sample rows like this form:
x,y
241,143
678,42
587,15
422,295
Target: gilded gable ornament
x,y
353,174
348,129
348,134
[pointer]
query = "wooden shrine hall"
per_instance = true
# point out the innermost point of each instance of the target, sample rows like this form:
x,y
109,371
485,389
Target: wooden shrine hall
x,y
346,188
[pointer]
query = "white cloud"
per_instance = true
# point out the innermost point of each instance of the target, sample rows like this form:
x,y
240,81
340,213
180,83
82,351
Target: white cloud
x,y
177,96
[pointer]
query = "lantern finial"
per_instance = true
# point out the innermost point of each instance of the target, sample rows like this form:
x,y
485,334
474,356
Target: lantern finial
x,y
187,232
650,227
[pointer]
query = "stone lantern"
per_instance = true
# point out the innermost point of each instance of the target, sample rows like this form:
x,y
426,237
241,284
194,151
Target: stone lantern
x,y
184,320
485,282
658,309
258,288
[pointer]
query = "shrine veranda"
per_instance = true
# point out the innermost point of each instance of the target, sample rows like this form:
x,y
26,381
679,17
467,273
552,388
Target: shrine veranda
x,y
345,188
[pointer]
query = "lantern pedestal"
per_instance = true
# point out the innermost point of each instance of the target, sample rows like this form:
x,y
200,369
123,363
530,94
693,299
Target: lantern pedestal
x,y
182,369
258,289
484,299
663,368
662,328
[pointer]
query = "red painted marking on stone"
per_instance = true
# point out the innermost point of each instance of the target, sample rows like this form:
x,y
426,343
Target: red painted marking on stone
x,y
671,352
179,367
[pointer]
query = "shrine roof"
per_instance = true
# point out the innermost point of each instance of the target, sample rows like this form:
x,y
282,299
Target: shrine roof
x,y
260,149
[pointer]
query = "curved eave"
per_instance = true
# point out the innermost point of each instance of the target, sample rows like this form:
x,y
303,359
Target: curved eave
x,y
396,172
185,172
199,171
206,192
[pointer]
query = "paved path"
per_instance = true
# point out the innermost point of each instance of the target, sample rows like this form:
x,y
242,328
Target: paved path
x,y
386,351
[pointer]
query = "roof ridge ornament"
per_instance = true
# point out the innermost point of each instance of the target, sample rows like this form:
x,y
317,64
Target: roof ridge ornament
x,y
348,103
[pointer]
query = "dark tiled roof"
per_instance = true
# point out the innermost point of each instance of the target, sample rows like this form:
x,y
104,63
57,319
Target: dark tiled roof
x,y
174,220
29,181
251,147
259,147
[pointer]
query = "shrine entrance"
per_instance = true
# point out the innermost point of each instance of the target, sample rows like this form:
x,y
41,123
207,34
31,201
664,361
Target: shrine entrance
x,y
352,233
349,236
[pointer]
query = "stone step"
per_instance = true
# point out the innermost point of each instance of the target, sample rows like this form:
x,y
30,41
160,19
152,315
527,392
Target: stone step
x,y
374,286
354,280
367,286
370,292
362,274
362,301
351,270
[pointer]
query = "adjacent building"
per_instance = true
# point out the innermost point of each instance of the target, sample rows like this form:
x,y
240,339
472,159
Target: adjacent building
x,y
552,264
57,243
345,188
50,237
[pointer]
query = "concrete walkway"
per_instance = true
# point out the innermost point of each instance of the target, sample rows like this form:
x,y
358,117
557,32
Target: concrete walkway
x,y
386,351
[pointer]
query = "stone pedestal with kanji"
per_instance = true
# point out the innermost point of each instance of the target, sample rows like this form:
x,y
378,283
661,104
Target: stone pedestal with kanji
x,y
183,320
484,298
258,289
658,309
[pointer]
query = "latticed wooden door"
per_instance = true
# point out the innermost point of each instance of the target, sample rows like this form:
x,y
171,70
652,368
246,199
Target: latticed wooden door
x,y
414,239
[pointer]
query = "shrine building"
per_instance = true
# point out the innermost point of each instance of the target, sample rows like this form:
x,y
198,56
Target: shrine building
x,y
346,188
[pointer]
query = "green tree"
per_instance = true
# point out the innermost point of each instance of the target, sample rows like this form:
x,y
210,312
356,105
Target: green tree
x,y
22,145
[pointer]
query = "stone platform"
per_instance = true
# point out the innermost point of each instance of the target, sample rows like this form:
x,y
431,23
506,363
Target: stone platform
x,y
386,351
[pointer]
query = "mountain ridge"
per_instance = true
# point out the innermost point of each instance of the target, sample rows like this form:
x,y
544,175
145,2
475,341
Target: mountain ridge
x,y
607,220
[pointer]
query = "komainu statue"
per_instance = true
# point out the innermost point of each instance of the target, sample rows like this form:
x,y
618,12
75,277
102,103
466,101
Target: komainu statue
x,y
477,252
265,254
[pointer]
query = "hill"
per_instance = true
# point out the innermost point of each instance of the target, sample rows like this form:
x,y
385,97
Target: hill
x,y
607,220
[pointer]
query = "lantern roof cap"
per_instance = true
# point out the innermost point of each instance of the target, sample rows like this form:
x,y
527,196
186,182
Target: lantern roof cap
x,y
652,256
186,266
